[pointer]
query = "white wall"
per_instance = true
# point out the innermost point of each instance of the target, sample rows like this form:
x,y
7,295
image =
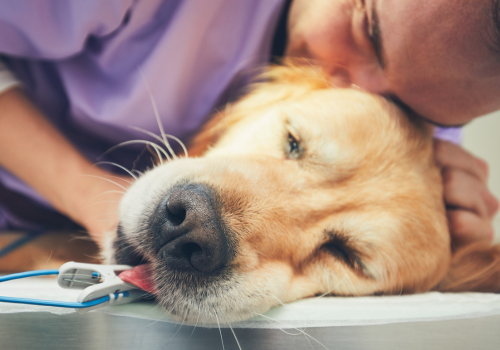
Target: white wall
x,y
482,138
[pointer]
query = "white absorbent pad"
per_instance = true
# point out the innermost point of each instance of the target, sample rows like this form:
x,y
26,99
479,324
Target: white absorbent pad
x,y
313,312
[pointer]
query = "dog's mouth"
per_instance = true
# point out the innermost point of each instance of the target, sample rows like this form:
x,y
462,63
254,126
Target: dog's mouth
x,y
141,276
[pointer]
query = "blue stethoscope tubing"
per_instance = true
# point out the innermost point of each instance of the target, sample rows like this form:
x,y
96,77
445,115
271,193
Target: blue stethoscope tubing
x,y
40,302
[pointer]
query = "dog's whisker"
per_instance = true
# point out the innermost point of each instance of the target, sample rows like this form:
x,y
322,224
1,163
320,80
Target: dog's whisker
x,y
119,166
282,303
105,179
93,257
274,321
158,155
220,331
197,319
276,298
50,256
177,331
108,192
312,347
180,144
332,289
150,134
235,337
121,178
157,148
157,306
156,321
100,202
157,115
147,132
300,331
121,249
161,140
105,220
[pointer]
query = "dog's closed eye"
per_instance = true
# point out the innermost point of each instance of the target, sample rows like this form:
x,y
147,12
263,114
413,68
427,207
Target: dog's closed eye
x,y
339,247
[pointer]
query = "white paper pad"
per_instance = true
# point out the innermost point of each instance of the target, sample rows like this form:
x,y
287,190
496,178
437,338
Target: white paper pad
x,y
324,312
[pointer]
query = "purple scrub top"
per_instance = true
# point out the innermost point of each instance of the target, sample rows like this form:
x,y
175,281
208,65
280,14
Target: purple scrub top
x,y
86,63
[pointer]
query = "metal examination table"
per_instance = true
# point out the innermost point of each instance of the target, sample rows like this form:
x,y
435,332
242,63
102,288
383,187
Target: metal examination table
x,y
421,321
98,330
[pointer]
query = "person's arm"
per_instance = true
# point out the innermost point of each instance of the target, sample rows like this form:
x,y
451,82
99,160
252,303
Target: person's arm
x,y
470,205
33,150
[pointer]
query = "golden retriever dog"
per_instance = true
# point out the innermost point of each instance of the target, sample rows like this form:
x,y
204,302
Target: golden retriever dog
x,y
298,189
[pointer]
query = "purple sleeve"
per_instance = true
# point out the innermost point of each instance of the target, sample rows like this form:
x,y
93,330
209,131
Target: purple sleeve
x,y
453,135
55,29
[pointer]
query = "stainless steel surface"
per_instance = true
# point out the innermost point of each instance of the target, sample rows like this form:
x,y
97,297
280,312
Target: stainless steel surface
x,y
103,331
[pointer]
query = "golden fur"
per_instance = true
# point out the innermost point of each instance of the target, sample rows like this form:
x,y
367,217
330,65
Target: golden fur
x,y
367,173
324,190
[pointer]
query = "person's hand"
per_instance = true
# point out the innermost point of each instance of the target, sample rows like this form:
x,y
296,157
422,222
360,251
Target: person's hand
x,y
96,201
470,205
37,153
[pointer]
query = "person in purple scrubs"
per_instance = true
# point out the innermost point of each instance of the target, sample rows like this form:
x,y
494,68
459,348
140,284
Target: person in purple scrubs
x,y
76,78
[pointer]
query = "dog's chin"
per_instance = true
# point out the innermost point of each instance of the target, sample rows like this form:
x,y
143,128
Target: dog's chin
x,y
186,296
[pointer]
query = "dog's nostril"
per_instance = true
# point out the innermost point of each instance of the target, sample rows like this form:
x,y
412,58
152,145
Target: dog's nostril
x,y
176,213
189,249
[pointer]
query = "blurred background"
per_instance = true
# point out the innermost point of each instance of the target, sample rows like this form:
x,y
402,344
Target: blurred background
x,y
482,138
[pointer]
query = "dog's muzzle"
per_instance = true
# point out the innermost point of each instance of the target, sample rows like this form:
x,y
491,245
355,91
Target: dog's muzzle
x,y
188,234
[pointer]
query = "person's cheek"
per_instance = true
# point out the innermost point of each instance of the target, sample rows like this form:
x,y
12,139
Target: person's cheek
x,y
369,76
324,33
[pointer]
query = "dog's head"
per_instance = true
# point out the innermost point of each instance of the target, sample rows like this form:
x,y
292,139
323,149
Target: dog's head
x,y
304,189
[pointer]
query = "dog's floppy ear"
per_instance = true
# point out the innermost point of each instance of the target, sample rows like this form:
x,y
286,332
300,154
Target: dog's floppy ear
x,y
474,268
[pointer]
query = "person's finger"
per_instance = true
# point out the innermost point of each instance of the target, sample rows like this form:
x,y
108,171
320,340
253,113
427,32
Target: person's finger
x,y
465,191
491,202
450,155
467,227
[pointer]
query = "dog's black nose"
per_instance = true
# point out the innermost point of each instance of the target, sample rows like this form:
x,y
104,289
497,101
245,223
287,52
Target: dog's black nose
x,y
190,235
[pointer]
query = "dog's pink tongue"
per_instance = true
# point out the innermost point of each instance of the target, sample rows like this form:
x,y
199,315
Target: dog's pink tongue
x,y
141,277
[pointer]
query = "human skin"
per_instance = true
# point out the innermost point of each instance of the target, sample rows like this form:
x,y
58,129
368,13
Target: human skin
x,y
32,149
436,57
